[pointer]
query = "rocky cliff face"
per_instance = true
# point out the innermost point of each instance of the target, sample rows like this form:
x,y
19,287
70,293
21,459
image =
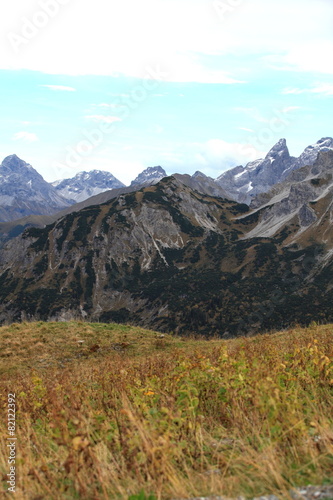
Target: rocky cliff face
x,y
169,258
87,184
243,183
23,191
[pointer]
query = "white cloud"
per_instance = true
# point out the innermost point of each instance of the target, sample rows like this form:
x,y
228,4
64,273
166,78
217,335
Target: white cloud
x,y
246,129
180,37
61,88
324,88
289,109
103,118
211,157
120,95
294,91
189,67
253,113
273,120
106,105
25,136
321,88
227,154
309,56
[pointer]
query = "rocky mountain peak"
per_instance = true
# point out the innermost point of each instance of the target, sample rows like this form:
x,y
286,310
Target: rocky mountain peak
x,y
23,191
13,163
150,175
198,174
279,151
242,183
86,184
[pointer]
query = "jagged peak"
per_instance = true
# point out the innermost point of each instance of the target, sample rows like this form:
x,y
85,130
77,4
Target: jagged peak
x,y
278,150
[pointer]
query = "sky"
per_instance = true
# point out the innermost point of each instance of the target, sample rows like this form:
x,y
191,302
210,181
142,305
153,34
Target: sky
x,y
185,84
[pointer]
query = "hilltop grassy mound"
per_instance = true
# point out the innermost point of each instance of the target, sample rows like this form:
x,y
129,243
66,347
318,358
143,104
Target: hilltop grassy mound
x,y
105,411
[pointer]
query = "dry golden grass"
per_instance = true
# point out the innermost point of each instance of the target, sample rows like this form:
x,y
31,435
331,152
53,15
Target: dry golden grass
x,y
127,411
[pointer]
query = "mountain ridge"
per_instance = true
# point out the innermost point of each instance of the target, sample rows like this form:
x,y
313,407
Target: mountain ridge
x,y
239,183
171,258
243,183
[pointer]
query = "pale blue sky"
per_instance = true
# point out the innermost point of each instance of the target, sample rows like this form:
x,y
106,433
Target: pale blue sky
x,y
201,85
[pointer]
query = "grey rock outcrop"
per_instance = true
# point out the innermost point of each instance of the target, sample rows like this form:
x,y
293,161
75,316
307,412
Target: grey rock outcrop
x,y
306,216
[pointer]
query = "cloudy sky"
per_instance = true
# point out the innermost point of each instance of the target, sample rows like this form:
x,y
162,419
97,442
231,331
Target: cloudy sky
x,y
185,84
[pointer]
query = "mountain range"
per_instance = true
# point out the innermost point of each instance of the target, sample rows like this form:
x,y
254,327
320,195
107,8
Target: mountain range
x,y
24,192
175,259
242,183
178,254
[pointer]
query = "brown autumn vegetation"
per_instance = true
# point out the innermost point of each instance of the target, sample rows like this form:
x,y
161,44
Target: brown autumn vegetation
x,y
109,411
